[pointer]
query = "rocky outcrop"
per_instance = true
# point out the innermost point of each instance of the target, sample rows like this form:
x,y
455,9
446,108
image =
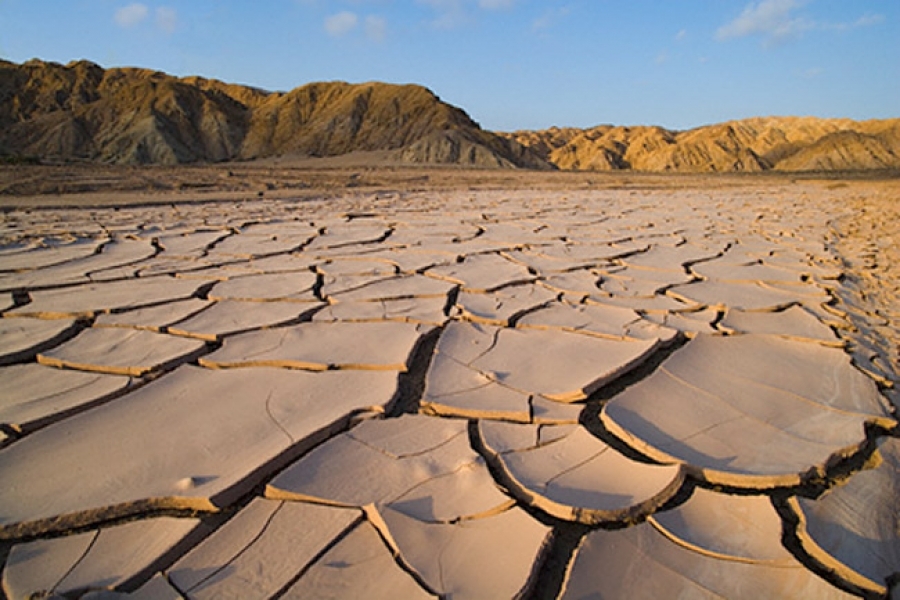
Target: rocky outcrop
x,y
81,111
749,145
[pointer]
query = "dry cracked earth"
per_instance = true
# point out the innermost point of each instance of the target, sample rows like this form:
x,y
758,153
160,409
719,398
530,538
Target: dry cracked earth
x,y
455,394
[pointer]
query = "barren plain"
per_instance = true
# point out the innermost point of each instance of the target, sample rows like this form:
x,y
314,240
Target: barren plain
x,y
342,378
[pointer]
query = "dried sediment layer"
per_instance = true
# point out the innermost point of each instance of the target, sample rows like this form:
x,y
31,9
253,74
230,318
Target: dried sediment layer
x,y
317,438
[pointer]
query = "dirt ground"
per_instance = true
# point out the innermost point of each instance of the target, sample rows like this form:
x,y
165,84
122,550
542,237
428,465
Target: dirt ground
x,y
864,235
854,216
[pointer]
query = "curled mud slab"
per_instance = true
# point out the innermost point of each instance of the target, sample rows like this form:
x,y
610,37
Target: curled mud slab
x,y
672,388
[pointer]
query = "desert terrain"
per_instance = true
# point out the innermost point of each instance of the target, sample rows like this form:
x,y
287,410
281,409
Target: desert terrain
x,y
341,341
81,112
353,377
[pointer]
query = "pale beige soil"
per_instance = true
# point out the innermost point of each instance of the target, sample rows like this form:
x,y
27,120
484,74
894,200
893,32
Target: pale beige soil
x,y
308,378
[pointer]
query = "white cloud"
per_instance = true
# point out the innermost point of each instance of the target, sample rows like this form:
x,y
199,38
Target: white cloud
x,y
772,19
450,13
496,4
341,23
131,15
376,28
812,73
868,19
682,33
166,19
775,21
549,18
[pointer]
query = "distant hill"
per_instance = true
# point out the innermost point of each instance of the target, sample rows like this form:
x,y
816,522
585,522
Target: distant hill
x,y
757,144
81,111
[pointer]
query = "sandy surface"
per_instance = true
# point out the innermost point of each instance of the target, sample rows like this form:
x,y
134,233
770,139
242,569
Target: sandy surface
x,y
332,378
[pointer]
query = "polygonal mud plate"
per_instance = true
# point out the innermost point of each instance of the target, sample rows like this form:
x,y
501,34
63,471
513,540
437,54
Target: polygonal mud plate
x,y
411,310
371,289
153,318
671,258
854,528
749,411
33,395
758,272
558,365
735,295
503,306
21,339
196,439
96,560
261,550
37,258
229,317
483,273
88,300
644,562
419,465
284,287
122,351
794,322
357,266
360,565
321,346
492,557
730,527
574,476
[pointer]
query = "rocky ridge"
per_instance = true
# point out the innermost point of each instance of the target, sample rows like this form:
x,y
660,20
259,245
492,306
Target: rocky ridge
x,y
81,111
748,145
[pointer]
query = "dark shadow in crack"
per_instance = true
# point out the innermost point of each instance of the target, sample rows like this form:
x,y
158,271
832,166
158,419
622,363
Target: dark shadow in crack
x,y
411,384
791,541
590,416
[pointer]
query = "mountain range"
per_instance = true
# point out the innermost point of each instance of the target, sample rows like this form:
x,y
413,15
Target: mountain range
x,y
82,112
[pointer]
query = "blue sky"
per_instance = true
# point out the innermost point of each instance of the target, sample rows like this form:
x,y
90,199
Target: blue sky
x,y
511,64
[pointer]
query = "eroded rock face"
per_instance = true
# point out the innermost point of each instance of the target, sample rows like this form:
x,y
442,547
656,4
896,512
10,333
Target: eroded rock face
x,y
137,116
489,394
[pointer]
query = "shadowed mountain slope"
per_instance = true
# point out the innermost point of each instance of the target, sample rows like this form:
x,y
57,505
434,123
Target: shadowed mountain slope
x,y
83,112
135,116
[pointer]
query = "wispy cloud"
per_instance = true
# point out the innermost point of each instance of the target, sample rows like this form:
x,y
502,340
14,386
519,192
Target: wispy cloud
x,y
166,19
812,73
496,4
131,15
341,23
549,18
777,21
867,20
774,20
682,33
449,14
376,28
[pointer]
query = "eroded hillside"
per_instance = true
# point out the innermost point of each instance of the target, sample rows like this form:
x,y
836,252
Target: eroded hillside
x,y
81,111
749,145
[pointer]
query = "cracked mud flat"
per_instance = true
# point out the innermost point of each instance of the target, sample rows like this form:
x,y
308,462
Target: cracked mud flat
x,y
458,394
